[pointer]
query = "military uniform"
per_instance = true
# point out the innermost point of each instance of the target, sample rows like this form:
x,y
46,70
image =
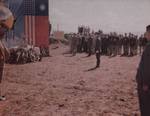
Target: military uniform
x,y
114,46
126,46
132,44
6,23
119,45
90,42
143,78
4,54
136,46
98,51
75,42
110,45
140,44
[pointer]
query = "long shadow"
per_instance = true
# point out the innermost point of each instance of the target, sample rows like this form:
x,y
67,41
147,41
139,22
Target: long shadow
x,y
91,69
85,56
69,55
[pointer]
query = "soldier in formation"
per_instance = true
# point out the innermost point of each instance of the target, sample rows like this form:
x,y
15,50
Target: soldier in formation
x,y
112,44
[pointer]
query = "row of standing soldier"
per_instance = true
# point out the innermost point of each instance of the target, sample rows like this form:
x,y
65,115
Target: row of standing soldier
x,y
111,44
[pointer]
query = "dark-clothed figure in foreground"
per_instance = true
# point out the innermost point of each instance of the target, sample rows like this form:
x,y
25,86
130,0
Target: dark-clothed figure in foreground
x,y
4,54
143,78
6,23
98,51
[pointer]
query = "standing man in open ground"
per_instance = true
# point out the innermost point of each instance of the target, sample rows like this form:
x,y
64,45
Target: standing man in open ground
x,y
90,42
98,51
143,78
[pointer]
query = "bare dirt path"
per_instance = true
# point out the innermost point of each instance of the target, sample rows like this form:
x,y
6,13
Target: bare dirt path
x,y
61,86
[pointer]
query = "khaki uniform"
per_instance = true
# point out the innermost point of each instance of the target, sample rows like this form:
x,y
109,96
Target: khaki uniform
x,y
4,54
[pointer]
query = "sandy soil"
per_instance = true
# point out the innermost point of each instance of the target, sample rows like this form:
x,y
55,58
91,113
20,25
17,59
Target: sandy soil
x,y
61,86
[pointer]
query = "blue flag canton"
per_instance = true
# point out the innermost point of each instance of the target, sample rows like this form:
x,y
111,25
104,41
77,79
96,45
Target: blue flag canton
x,y
29,7
36,7
41,7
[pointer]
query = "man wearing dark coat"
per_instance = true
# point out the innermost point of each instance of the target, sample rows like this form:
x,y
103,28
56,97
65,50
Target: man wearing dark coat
x,y
98,51
143,78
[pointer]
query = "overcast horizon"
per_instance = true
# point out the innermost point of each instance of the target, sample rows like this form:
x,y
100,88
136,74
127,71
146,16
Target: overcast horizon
x,y
109,15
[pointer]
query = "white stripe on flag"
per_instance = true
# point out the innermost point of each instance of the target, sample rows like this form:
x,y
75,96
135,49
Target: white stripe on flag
x,y
26,28
30,29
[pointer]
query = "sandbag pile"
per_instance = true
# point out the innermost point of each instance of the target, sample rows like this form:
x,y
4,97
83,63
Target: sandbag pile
x,y
22,55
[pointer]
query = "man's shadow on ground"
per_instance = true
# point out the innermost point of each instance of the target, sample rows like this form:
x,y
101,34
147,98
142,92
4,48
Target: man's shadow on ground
x,y
87,56
91,69
69,55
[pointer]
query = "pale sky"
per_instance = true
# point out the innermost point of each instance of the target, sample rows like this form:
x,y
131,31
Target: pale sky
x,y
108,15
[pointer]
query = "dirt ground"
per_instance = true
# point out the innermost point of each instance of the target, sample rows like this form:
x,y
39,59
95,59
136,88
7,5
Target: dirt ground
x,y
62,86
